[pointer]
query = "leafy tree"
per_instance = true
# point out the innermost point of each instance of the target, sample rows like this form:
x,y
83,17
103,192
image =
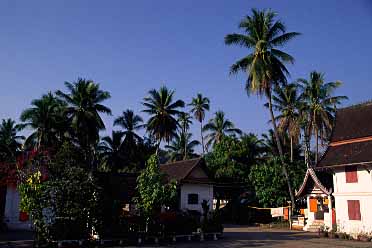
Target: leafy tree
x,y
45,118
218,127
200,105
111,150
265,65
131,123
231,159
182,147
184,120
270,186
320,107
84,99
162,123
153,193
10,141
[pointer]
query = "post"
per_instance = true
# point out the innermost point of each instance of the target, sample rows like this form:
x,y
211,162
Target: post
x,y
290,214
330,212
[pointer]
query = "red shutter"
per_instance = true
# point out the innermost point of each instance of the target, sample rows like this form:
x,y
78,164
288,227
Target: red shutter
x,y
353,207
351,174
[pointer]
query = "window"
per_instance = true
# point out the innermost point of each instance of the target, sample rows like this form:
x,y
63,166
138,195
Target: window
x,y
351,174
193,199
353,207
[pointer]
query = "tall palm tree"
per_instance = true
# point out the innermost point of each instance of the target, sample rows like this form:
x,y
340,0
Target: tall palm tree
x,y
84,99
287,102
184,120
218,127
255,147
200,105
111,150
265,64
43,117
163,111
181,145
10,141
320,107
131,123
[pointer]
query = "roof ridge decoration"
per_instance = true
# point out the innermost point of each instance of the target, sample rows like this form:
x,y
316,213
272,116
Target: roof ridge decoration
x,y
310,172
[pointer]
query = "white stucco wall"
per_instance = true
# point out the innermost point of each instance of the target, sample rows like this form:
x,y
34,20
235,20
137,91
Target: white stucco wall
x,y
311,215
204,191
362,191
11,213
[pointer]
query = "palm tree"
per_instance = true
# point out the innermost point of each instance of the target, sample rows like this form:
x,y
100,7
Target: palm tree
x,y
200,105
320,107
218,127
184,120
44,118
131,123
10,141
111,150
182,147
255,147
287,102
265,65
84,106
162,123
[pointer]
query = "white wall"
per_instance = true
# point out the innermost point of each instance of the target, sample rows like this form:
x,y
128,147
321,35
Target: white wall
x,y
204,191
362,191
11,213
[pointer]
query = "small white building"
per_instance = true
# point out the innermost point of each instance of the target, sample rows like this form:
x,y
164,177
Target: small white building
x,y
193,182
349,158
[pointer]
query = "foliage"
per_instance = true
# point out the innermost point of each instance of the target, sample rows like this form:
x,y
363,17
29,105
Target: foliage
x,y
218,127
199,106
176,148
84,99
131,123
111,151
46,117
33,200
153,191
269,183
232,158
10,141
162,123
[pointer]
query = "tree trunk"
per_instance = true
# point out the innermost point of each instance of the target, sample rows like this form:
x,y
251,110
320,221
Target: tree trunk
x,y
307,148
291,149
280,149
316,145
201,134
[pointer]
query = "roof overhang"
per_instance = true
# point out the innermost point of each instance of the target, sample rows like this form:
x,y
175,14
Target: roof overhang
x,y
310,175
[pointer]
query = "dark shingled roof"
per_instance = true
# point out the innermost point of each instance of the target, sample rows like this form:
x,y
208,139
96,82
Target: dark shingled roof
x,y
353,122
180,170
318,180
347,154
349,144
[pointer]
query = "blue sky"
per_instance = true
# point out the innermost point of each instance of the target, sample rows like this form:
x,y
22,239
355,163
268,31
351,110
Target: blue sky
x,y
130,47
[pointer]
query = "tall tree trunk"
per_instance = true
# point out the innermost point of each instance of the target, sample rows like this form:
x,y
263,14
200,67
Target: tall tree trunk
x,y
280,149
316,145
291,139
201,134
307,147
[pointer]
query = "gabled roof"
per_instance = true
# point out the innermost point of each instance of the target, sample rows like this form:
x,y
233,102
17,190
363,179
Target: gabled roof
x,y
313,181
351,139
181,170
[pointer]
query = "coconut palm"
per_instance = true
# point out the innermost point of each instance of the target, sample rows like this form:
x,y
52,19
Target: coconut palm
x,y
110,149
10,141
131,123
287,102
320,107
84,99
218,127
184,120
163,112
200,105
45,118
181,145
265,64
